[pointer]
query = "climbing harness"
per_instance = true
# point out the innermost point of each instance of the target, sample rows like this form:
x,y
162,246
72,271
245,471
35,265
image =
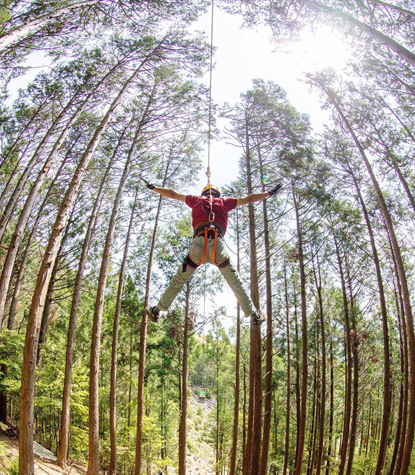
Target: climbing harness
x,y
209,231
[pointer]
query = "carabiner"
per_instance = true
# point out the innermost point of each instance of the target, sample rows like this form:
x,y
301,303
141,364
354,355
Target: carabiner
x,y
211,217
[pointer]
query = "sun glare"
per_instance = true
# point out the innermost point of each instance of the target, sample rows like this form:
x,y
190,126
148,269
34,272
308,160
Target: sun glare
x,y
324,48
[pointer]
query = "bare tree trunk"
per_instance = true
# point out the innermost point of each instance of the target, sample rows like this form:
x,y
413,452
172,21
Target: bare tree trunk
x,y
63,449
348,370
303,413
386,357
93,459
331,420
26,461
323,370
268,362
113,384
288,397
27,209
22,265
183,411
237,366
253,445
143,342
402,395
35,188
409,440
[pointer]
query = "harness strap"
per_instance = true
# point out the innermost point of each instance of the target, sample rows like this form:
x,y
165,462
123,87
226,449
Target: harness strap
x,y
198,232
189,262
225,263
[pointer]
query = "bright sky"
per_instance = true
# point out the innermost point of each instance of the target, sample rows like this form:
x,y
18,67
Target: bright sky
x,y
244,55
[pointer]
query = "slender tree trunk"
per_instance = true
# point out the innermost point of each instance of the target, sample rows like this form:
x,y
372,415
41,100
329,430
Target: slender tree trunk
x,y
35,189
288,398
386,356
22,265
232,467
113,384
93,460
268,363
27,209
253,445
348,369
323,370
303,411
76,295
26,461
183,412
409,440
331,420
402,395
143,343
405,367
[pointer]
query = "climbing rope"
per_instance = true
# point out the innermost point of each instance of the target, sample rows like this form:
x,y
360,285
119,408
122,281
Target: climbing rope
x,y
210,92
211,214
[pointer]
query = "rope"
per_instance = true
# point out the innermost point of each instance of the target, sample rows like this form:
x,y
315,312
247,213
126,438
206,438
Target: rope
x,y
211,214
210,92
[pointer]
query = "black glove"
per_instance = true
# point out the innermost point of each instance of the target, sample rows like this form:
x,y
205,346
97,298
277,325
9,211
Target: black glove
x,y
275,189
150,186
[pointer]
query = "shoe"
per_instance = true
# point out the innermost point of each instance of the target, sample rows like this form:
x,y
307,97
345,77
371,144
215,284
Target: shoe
x,y
153,313
258,318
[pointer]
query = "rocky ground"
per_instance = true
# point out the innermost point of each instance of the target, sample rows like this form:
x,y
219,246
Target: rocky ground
x,y
44,463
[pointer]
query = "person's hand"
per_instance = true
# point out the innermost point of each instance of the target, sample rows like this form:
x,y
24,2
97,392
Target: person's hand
x,y
275,189
150,186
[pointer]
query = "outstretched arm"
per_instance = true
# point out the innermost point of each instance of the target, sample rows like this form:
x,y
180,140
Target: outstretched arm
x,y
252,198
167,192
257,196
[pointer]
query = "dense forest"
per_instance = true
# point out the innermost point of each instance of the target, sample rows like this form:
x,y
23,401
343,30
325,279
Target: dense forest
x,y
327,384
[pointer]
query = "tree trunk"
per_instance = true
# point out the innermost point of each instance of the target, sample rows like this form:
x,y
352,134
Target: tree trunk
x,y
26,461
288,397
409,440
253,445
268,363
348,370
386,356
23,263
93,459
113,384
76,295
35,188
323,370
27,209
303,411
232,467
331,420
143,342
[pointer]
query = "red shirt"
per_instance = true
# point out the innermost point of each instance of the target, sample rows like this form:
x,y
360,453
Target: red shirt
x,y
201,209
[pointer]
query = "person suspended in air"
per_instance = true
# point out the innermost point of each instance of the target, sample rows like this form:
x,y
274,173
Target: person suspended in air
x,y
209,220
